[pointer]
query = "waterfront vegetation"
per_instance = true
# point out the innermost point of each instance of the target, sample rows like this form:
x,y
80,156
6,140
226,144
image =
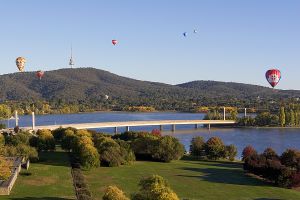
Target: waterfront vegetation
x,y
128,164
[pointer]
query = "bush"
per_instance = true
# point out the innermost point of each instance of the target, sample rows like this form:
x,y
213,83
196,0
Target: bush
x,y
230,152
2,126
88,156
2,140
214,148
21,150
126,152
168,148
296,180
114,193
20,138
248,151
290,158
285,177
269,153
58,134
154,188
197,146
45,140
68,139
144,147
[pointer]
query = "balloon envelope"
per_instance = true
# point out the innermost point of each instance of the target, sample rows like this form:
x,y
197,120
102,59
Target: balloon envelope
x,y
114,42
20,62
273,76
40,74
185,34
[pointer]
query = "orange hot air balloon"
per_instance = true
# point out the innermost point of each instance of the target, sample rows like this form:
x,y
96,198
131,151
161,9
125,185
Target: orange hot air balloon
x,y
273,76
114,42
40,74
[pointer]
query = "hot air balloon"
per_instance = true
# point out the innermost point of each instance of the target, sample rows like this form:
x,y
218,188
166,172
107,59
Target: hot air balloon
x,y
273,76
195,31
114,42
40,74
20,62
184,34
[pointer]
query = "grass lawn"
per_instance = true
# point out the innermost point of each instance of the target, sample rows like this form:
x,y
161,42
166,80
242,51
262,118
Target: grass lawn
x,y
50,179
190,180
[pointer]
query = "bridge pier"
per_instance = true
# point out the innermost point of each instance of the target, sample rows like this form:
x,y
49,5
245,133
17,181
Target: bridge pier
x,y
208,126
33,121
196,126
127,128
173,128
116,130
161,127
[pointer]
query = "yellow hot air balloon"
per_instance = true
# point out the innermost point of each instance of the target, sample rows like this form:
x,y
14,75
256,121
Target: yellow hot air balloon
x,y
20,62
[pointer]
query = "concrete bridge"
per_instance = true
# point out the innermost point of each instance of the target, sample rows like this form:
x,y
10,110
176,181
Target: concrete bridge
x,y
129,124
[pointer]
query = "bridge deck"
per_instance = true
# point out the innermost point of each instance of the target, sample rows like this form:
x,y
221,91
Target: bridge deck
x,y
132,123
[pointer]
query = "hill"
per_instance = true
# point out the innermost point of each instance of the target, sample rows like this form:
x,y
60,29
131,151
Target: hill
x,y
88,86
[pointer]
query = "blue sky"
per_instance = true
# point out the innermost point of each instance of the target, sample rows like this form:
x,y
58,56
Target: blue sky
x,y
237,41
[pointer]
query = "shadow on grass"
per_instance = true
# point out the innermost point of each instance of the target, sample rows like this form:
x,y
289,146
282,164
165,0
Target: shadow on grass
x,y
40,198
221,175
55,158
267,199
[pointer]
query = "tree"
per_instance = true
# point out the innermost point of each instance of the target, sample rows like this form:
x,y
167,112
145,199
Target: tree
x,y
114,193
2,140
168,148
290,158
214,148
5,111
292,117
230,152
282,116
197,146
248,151
45,140
269,153
155,188
89,156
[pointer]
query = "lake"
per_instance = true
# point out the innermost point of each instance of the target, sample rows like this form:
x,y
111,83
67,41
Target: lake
x,y
261,138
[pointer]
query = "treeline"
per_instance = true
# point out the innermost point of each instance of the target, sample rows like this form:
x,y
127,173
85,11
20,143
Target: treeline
x,y
283,170
286,116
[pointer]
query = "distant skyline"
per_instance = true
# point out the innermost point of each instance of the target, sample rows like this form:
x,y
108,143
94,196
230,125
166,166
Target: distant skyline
x,y
236,41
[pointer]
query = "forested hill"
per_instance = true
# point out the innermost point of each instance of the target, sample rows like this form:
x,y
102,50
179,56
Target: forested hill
x,y
89,86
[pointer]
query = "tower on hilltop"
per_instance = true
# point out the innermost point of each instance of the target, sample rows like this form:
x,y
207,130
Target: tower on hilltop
x,y
71,62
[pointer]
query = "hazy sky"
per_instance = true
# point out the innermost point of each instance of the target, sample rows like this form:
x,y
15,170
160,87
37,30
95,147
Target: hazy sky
x,y
236,41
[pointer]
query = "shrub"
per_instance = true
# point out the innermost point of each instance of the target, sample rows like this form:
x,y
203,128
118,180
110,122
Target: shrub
x,y
20,138
2,140
230,152
197,146
296,180
114,193
58,134
45,140
5,171
126,152
2,126
109,150
156,132
214,148
248,151
154,188
168,148
290,158
269,153
21,150
285,177
68,139
89,156
143,147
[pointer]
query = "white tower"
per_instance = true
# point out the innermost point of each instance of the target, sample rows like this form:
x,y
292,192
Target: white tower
x,y
71,62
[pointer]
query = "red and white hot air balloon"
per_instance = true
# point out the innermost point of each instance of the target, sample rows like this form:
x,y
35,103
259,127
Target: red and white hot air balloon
x,y
114,42
40,74
273,76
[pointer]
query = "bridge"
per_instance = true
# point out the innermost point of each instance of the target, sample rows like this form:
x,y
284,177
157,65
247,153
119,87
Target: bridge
x,y
128,124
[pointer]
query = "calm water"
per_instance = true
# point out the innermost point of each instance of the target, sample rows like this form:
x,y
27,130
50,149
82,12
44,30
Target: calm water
x,y
260,138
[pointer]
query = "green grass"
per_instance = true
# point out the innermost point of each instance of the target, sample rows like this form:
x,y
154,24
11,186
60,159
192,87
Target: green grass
x,y
190,180
50,179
